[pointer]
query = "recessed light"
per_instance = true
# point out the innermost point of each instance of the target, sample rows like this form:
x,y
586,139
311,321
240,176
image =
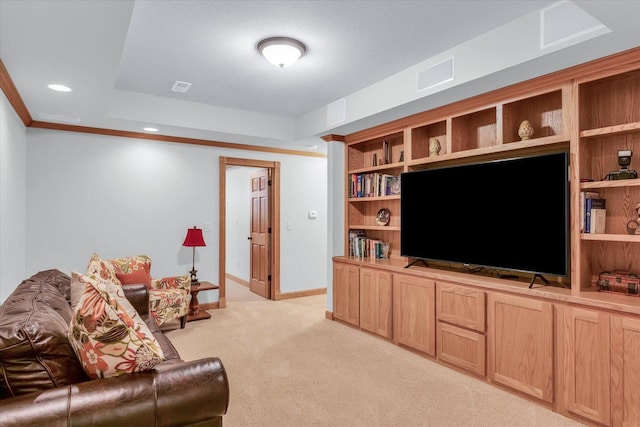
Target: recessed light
x,y
59,88
151,129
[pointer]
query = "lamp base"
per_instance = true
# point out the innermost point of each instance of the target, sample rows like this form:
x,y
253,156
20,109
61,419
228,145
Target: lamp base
x,y
194,277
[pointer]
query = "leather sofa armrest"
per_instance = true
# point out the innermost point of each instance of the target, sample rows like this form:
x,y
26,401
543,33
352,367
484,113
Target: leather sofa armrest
x,y
175,393
138,296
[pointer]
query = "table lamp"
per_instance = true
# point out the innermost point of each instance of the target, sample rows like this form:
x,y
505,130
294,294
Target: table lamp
x,y
194,238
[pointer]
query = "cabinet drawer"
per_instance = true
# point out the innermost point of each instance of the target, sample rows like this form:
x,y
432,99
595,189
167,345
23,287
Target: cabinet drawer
x,y
461,347
461,306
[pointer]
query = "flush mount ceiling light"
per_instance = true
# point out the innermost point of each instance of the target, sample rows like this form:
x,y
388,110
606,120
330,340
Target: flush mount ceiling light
x,y
281,51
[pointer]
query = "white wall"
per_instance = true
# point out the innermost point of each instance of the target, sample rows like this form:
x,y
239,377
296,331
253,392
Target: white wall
x,y
303,242
238,221
335,202
12,198
121,196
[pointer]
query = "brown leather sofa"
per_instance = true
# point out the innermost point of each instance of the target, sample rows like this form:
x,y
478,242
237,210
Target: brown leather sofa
x,y
43,384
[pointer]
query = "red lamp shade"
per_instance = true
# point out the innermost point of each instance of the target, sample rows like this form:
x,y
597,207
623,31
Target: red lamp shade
x,y
194,238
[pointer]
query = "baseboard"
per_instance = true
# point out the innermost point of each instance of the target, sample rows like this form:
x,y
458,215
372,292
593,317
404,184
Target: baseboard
x,y
299,294
328,314
237,280
209,305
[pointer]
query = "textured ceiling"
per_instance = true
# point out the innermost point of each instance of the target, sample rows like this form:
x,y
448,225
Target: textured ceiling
x,y
121,58
350,45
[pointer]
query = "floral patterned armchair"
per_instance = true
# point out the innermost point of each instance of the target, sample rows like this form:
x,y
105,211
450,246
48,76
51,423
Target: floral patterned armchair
x,y
169,297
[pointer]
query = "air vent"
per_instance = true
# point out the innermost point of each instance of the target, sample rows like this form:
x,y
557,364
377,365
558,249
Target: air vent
x,y
435,75
180,87
564,22
336,112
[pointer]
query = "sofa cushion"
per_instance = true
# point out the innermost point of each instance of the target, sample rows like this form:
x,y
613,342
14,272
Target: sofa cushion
x,y
35,353
133,277
97,268
108,335
101,269
133,265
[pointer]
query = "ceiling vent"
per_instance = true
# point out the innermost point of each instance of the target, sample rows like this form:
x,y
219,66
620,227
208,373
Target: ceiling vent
x,y
564,22
180,87
336,112
435,75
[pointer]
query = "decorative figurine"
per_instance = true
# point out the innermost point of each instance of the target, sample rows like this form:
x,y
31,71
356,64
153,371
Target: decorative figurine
x,y
633,226
434,147
525,131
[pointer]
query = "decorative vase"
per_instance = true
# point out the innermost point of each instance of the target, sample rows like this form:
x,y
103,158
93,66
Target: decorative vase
x,y
434,147
525,130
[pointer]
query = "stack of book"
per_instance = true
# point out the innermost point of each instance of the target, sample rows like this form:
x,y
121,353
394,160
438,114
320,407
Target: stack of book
x,y
360,246
373,185
593,212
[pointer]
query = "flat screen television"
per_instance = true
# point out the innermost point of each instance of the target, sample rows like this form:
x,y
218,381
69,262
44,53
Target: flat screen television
x,y
510,214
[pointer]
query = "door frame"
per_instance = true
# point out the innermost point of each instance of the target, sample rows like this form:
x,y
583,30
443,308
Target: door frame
x,y
274,167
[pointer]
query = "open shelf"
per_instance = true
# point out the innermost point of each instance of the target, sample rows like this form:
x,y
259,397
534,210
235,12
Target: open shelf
x,y
423,136
361,155
474,130
609,102
544,112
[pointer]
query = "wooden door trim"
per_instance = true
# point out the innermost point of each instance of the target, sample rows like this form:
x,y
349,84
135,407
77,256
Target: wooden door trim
x,y
225,162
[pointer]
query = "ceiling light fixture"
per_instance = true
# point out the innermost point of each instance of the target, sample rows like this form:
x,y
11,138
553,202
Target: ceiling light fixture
x,y
59,88
281,51
149,129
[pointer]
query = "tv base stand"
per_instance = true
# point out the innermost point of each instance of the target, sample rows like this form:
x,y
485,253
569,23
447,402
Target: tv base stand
x,y
533,279
415,261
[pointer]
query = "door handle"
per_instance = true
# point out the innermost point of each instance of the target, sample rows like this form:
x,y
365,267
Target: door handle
x,y
248,238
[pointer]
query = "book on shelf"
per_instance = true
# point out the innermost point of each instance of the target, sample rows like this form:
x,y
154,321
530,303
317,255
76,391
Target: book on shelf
x,y
392,185
595,215
584,195
373,185
354,242
598,221
361,246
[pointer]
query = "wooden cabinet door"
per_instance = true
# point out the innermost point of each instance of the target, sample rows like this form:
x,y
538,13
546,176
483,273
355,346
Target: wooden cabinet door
x,y
461,305
462,347
625,371
520,339
346,293
587,363
376,301
414,301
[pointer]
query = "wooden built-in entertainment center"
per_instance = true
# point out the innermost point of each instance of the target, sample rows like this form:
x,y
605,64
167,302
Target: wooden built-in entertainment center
x,y
572,349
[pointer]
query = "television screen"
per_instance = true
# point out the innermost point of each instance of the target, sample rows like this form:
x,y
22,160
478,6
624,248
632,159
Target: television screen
x,y
508,214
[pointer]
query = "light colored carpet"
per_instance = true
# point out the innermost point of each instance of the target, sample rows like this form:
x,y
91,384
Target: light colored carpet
x,y
289,366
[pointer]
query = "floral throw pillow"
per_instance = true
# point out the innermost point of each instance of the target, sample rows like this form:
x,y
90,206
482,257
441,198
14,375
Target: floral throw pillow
x,y
107,333
97,269
133,269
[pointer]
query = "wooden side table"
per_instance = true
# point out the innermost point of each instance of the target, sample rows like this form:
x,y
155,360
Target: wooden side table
x,y
194,306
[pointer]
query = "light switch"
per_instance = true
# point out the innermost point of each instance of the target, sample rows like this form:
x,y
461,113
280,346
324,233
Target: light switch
x,y
207,226
289,225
